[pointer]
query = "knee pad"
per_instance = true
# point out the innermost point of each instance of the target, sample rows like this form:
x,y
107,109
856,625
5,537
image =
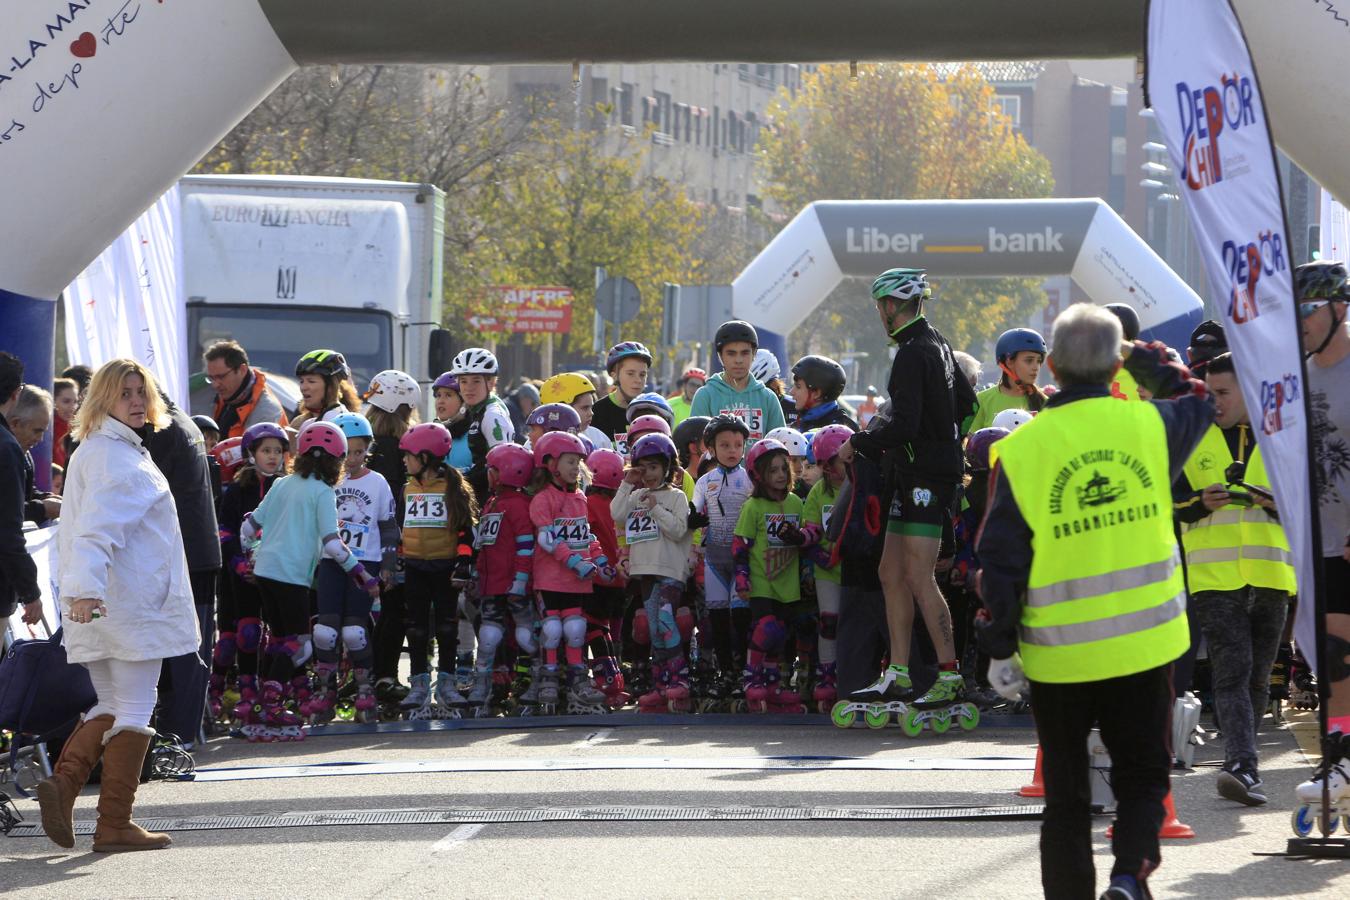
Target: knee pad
x,y
325,636
525,638
574,629
552,631
248,635
303,650
768,635
223,655
829,625
354,637
489,637
641,630
684,621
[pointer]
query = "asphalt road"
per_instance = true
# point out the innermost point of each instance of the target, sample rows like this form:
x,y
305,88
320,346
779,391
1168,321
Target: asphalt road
x,y
982,858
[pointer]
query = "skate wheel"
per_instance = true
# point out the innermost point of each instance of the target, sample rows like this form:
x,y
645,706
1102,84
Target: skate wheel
x,y
942,722
842,716
1302,821
968,717
911,724
876,718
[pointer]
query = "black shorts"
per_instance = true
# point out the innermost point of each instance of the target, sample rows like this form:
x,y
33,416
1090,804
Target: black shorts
x,y
1336,584
560,601
920,507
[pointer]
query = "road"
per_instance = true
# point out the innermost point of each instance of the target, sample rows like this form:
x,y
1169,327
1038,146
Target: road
x,y
651,859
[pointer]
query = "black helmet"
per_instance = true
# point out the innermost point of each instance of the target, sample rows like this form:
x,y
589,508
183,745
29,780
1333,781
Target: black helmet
x,y
688,431
324,363
206,423
1321,280
1207,342
733,331
822,374
720,423
1129,319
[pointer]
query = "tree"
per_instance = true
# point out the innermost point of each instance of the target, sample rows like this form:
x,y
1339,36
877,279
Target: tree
x,y
902,131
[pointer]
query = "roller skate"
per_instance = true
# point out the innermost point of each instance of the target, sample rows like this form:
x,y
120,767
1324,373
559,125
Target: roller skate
x,y
609,679
417,705
365,705
464,673
782,698
824,694
480,695
248,696
583,697
1279,683
449,703
704,687
389,694
677,690
654,700
641,680
298,691
320,708
548,690
270,720
945,701
1334,769
889,694
1302,684
215,696
525,691
501,689
756,690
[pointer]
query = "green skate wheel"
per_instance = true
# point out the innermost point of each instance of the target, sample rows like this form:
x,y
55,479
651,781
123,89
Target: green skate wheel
x,y
968,717
842,716
877,718
942,722
911,724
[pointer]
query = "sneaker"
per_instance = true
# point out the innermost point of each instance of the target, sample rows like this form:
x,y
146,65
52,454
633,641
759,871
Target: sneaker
x,y
1126,887
1241,784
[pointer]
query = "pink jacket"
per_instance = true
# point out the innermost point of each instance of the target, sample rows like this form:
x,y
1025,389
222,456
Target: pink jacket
x,y
561,529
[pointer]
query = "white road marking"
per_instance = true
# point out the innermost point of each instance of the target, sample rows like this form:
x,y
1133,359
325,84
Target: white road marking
x,y
595,737
456,837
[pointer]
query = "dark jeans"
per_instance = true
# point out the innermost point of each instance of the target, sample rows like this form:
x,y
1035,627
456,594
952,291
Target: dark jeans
x,y
390,629
1242,630
433,609
861,638
1134,713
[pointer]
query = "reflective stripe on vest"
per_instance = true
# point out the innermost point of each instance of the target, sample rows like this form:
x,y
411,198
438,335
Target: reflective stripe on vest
x,y
1105,596
1234,546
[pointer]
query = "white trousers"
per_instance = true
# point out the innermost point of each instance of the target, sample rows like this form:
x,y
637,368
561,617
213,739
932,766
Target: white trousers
x,y
126,690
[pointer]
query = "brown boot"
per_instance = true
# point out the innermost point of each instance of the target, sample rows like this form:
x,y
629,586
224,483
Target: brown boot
x,y
57,794
115,832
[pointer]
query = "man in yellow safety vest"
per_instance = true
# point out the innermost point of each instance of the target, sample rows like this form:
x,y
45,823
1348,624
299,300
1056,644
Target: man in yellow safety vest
x,y
1082,579
1240,573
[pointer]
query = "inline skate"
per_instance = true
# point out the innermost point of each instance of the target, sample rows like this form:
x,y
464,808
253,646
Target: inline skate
x,y
654,699
417,705
1302,684
449,703
889,695
609,679
824,694
945,701
548,690
464,673
269,720
583,697
480,695
676,685
756,690
365,705
215,696
1334,769
320,708
782,698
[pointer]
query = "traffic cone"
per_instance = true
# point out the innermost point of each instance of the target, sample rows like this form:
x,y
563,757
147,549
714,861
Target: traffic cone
x,y
1172,827
1037,786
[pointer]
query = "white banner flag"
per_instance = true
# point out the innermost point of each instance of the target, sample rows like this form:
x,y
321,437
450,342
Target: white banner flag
x,y
129,301
1202,86
1335,244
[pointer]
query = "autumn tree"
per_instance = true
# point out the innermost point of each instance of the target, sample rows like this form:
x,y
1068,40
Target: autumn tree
x,y
901,131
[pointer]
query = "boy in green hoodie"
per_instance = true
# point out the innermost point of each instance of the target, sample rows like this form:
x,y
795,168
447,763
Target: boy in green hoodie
x,y
734,391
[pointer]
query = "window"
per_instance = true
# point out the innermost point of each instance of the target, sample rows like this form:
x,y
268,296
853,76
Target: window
x,y
625,104
1011,106
663,114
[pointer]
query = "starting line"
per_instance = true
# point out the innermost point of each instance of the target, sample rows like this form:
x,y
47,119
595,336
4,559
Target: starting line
x,y
465,816
582,764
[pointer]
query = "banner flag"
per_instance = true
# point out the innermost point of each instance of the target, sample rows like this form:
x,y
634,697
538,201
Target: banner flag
x,y
1202,86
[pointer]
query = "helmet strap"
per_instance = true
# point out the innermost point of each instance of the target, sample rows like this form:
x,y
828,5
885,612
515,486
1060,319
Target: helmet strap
x,y
1015,381
1337,320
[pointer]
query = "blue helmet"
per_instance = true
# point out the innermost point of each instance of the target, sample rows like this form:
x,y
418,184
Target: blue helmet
x,y
354,425
650,403
1010,343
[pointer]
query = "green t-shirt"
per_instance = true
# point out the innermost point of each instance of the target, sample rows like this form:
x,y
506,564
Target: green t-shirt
x,y
817,509
774,566
992,402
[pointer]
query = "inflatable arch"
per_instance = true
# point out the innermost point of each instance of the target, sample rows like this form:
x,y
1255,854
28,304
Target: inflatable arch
x,y
1085,239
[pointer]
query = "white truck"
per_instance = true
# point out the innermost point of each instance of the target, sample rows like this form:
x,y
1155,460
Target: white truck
x,y
289,264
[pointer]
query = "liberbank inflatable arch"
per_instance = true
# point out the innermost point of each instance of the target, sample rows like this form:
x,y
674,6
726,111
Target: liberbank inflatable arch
x,y
104,104
1085,239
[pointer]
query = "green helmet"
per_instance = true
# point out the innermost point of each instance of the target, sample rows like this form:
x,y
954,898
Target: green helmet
x,y
902,284
1321,280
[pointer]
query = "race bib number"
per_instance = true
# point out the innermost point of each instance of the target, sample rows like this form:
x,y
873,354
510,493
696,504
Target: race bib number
x,y
773,526
574,531
641,526
356,537
825,513
424,511
488,528
621,445
752,417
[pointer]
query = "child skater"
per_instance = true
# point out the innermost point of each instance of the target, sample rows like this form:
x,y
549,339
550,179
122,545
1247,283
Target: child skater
x,y
816,515
604,613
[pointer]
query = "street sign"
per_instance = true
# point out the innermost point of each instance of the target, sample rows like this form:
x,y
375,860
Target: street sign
x,y
618,300
530,310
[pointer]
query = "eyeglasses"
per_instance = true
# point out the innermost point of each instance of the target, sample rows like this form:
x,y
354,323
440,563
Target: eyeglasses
x,y
212,379
1307,309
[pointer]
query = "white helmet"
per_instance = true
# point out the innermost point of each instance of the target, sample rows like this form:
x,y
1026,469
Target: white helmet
x,y
391,389
795,442
474,361
765,365
1011,418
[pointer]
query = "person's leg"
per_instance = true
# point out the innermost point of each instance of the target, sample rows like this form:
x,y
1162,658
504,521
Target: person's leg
x,y
1223,618
1064,716
332,589
125,746
919,555
899,600
1336,584
446,610
390,632
1135,714
1268,611
417,598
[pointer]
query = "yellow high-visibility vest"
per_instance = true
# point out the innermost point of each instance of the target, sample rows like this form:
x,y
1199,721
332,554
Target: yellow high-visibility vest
x,y
1105,597
1233,546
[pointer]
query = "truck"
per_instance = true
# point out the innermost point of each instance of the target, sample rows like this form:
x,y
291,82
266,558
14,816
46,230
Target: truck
x,y
288,264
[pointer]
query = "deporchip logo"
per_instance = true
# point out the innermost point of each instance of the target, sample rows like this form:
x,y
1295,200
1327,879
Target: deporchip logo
x,y
1203,114
1274,397
922,496
1247,263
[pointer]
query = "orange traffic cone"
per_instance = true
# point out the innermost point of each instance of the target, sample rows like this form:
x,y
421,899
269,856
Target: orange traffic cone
x,y
1172,827
1037,786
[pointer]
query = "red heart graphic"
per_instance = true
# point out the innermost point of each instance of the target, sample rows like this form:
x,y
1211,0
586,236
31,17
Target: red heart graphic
x,y
84,46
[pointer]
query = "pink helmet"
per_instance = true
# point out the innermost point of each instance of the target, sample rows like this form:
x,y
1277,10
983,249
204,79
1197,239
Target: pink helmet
x,y
513,463
761,449
429,437
323,436
825,446
555,444
606,469
646,425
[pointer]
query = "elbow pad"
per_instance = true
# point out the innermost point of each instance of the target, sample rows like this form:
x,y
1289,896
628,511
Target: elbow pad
x,y
334,549
548,542
250,532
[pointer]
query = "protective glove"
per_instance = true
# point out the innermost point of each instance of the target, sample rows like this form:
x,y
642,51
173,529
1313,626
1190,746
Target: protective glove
x,y
462,573
791,535
580,566
607,574
519,586
363,580
1007,679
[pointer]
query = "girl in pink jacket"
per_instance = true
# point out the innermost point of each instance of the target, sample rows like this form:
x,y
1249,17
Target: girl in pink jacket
x,y
563,571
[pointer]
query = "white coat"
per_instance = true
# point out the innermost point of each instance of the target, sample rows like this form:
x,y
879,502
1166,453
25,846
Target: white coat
x,y
119,542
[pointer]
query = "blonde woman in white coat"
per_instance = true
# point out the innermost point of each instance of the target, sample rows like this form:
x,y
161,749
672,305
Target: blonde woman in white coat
x,y
126,602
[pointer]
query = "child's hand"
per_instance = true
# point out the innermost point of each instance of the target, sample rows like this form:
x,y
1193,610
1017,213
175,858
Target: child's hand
x,y
649,500
633,477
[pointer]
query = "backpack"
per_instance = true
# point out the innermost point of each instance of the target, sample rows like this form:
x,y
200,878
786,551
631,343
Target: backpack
x,y
39,691
858,532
